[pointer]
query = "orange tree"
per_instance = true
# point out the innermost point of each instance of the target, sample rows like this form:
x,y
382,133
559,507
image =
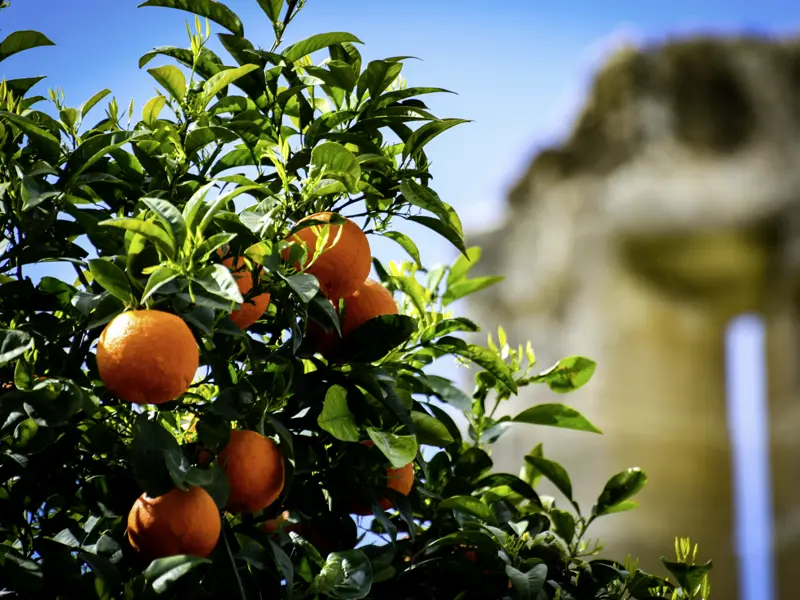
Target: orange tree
x,y
221,403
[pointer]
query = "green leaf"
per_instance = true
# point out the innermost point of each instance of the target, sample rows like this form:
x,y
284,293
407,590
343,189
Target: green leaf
x,y
467,537
150,443
399,449
528,585
447,392
376,338
378,76
13,344
19,41
620,487
567,375
222,79
192,210
399,95
317,42
213,11
346,575
564,523
689,577
84,108
490,361
469,286
427,199
430,431
406,243
170,217
44,141
446,327
220,202
336,417
218,280
171,79
208,64
336,162
557,475
528,473
159,278
304,285
272,8
152,109
148,230
162,573
426,133
111,278
443,229
556,415
469,506
95,148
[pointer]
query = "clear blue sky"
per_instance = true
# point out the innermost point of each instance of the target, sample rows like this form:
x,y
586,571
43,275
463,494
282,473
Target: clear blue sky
x,y
520,67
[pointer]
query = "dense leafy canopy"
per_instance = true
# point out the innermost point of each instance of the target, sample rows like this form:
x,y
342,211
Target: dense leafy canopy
x,y
231,154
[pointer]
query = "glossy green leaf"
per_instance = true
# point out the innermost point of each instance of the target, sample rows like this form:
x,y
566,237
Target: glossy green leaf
x,y
399,449
218,280
446,327
335,161
336,417
567,375
221,202
152,109
159,278
553,471
163,573
443,229
95,148
19,41
556,415
426,133
304,285
469,506
170,217
148,230
171,79
406,243
224,78
44,141
13,344
467,287
527,585
430,431
272,8
378,76
84,108
317,42
345,576
620,488
111,278
212,10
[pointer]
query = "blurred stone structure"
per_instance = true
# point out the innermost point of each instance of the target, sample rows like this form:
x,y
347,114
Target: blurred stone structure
x,y
672,207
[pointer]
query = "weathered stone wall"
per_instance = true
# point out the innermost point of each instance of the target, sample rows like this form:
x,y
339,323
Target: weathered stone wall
x,y
671,208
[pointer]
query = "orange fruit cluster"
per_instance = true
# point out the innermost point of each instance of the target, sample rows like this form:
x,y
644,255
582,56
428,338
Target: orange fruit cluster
x,y
188,522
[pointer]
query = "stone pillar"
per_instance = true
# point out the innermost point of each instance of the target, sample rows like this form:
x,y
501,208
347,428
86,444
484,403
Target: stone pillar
x,y
671,208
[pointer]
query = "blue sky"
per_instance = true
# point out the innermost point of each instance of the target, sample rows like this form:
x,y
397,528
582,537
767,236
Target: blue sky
x,y
521,70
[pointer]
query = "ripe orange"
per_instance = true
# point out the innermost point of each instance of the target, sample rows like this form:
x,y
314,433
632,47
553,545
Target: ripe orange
x,y
370,300
252,309
401,480
345,259
179,522
147,356
255,471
